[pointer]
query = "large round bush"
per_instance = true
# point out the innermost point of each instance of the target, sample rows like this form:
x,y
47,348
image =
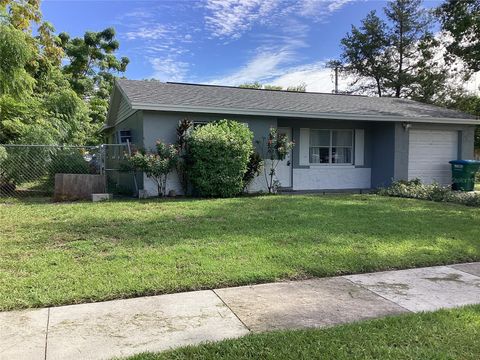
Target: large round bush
x,y
218,155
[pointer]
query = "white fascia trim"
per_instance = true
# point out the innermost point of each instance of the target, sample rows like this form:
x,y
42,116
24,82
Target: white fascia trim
x,y
297,114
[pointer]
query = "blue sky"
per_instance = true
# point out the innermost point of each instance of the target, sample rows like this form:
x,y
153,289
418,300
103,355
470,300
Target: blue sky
x,y
228,42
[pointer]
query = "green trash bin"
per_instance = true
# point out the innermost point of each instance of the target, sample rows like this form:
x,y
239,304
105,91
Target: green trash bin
x,y
463,174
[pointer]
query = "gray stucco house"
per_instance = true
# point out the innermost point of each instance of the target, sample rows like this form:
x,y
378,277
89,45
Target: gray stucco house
x,y
342,141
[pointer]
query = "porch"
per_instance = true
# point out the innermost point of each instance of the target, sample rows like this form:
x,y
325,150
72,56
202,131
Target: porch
x,y
337,155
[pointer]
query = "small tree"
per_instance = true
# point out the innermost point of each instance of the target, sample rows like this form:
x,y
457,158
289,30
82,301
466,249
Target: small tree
x,y
156,165
276,150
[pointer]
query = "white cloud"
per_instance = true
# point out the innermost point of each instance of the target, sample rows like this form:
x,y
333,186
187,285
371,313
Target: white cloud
x,y
319,9
163,45
263,66
169,69
273,69
231,18
154,32
316,76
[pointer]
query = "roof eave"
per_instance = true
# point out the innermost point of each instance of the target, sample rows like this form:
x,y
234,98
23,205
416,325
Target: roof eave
x,y
298,114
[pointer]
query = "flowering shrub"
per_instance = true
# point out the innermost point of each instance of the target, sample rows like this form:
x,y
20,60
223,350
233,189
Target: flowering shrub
x,y
276,150
156,165
218,154
434,192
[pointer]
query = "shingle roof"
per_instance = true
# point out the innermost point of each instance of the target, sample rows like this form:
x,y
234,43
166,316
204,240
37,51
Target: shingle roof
x,y
148,94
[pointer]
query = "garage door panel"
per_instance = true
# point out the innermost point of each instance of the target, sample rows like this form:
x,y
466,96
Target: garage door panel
x,y
429,154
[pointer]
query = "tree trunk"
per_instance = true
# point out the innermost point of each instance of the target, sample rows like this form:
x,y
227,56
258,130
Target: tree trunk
x,y
398,86
379,88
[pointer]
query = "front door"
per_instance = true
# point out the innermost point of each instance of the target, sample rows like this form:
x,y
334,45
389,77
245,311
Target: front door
x,y
284,168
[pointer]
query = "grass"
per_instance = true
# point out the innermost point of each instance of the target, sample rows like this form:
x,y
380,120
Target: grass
x,y
445,334
53,254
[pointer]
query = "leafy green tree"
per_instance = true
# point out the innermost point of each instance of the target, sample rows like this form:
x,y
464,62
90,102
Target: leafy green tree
x,y
92,66
254,85
410,26
272,87
468,103
429,75
364,53
21,13
37,104
461,19
15,54
397,56
302,87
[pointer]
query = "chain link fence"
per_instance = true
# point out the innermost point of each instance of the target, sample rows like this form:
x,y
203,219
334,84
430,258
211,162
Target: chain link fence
x,y
29,170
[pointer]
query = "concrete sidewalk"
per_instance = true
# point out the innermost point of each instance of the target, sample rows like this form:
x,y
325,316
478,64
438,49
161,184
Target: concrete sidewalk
x,y
125,327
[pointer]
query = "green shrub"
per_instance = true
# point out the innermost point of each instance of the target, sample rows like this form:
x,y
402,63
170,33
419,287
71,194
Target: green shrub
x,y
218,155
416,190
24,164
68,161
6,185
254,166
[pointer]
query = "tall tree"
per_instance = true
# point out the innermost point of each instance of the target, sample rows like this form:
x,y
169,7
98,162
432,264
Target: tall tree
x,y
396,57
429,75
467,102
409,27
21,13
461,20
364,52
37,104
15,54
92,66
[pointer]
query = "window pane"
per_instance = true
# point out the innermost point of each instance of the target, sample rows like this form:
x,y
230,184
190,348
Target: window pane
x,y
341,155
319,137
342,138
319,155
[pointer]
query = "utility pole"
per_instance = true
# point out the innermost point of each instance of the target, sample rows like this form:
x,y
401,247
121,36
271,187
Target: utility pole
x,y
336,66
336,79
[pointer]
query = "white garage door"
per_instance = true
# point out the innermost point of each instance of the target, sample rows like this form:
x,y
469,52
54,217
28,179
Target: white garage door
x,y
429,154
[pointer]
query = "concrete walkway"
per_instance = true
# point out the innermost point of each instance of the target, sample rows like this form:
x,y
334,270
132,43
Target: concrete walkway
x,y
125,327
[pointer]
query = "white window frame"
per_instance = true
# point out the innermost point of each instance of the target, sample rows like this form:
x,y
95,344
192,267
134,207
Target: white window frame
x,y
122,138
330,149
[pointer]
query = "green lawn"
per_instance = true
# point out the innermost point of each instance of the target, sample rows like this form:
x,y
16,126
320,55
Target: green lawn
x,y
52,254
445,334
